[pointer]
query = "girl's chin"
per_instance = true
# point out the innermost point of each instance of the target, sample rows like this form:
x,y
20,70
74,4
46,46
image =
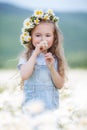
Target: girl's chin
x,y
44,51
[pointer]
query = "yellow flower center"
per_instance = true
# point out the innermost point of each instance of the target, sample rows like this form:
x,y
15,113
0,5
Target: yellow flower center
x,y
25,34
37,12
45,17
29,38
36,21
40,12
27,23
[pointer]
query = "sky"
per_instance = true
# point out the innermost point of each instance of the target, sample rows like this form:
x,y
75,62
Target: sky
x,y
59,5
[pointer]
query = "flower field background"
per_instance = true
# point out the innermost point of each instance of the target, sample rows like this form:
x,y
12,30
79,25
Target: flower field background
x,y
71,115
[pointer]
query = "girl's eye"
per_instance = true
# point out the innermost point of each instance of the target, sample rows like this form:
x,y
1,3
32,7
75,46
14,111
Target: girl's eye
x,y
37,35
47,35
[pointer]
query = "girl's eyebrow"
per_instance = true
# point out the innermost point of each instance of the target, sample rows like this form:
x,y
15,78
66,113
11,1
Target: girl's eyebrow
x,y
40,33
48,33
37,33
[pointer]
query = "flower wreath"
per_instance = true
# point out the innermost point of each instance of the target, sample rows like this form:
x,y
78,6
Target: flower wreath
x,y
34,20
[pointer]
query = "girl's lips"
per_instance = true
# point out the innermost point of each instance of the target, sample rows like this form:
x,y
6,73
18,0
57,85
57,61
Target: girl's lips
x,y
45,43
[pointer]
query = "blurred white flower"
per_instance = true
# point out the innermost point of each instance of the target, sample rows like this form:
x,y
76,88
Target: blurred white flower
x,y
22,122
28,24
38,13
34,107
47,127
25,37
36,21
70,116
50,11
45,118
46,17
5,118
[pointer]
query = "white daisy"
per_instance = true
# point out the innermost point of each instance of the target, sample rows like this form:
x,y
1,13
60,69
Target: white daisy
x,y
50,11
21,38
46,17
26,34
27,24
25,37
36,21
28,38
38,13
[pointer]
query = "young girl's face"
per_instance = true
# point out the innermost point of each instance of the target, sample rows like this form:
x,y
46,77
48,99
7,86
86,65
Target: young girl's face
x,y
43,31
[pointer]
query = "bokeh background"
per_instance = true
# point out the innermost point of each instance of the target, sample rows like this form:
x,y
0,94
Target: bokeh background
x,y
73,20
73,97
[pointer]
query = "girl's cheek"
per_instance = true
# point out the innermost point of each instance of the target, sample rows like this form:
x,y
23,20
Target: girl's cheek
x,y
39,40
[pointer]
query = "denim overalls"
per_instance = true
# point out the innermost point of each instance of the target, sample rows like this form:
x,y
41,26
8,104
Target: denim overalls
x,y
40,85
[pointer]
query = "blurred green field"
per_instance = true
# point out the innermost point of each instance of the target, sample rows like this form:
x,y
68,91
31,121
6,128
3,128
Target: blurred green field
x,y
73,26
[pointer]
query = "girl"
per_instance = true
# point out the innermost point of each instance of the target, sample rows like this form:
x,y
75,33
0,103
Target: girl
x,y
42,66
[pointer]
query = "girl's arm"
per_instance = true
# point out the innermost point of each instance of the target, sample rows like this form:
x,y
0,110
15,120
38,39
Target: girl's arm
x,y
56,77
27,69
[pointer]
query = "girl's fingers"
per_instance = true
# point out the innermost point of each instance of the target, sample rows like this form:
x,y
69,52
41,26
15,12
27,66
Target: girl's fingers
x,y
43,45
49,58
48,55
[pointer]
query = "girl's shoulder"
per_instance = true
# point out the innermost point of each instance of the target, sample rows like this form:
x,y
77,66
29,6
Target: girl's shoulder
x,y
24,57
21,61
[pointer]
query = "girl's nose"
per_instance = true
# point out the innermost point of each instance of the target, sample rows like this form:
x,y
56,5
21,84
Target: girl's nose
x,y
42,38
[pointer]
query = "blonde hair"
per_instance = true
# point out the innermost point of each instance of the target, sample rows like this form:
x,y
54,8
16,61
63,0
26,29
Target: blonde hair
x,y
56,49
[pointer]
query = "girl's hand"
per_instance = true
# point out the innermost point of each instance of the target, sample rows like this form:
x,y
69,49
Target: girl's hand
x,y
49,60
42,46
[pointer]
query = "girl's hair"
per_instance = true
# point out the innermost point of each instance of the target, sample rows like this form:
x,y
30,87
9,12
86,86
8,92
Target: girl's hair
x,y
56,49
